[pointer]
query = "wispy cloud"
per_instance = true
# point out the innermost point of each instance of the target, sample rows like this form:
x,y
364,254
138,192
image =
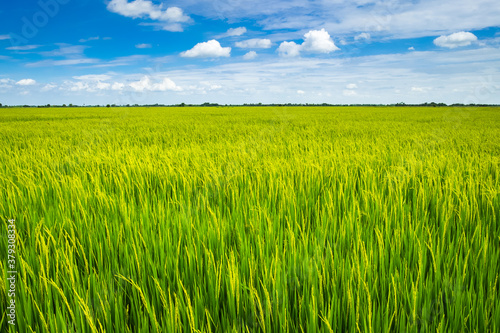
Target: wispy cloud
x,y
23,47
363,35
48,87
6,83
4,37
93,77
64,55
255,43
64,62
143,46
84,40
232,32
122,61
392,19
65,50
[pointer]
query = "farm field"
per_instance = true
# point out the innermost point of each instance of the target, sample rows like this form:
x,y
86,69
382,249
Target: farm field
x,y
252,219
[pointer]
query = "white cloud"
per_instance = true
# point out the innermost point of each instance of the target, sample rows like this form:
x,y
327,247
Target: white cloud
x,y
461,76
349,93
93,77
301,92
83,40
210,86
103,85
48,87
123,61
250,55
411,48
26,82
315,41
23,47
289,49
145,84
456,39
318,41
420,89
6,83
77,86
117,86
143,46
363,35
397,19
234,32
210,49
4,37
65,50
91,83
352,86
170,18
255,43
67,62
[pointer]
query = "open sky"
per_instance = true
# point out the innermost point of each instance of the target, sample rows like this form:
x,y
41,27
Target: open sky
x,y
234,51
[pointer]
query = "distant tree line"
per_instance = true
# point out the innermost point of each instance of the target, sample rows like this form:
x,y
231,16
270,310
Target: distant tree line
x,y
401,104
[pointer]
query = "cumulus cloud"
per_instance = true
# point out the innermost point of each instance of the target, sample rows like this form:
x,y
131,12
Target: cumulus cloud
x,y
210,49
318,41
143,46
170,18
146,84
255,43
289,49
315,41
26,82
250,55
456,39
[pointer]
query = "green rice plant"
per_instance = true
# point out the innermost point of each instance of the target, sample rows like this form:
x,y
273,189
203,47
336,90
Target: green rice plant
x,y
252,219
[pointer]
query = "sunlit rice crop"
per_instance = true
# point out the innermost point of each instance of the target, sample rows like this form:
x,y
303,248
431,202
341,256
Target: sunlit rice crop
x,y
270,219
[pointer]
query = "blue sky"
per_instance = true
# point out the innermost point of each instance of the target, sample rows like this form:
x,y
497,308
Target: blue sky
x,y
234,51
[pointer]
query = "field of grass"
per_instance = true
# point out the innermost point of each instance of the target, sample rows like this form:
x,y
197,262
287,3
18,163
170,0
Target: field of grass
x,y
267,219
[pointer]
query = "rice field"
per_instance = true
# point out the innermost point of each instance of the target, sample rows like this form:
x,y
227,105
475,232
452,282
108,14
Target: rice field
x,y
252,219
